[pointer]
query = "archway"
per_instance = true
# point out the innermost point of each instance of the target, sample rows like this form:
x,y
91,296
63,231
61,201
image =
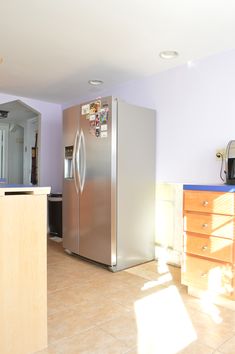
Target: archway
x,y
19,143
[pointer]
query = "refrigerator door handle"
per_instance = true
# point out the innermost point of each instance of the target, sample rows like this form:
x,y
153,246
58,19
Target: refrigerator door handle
x,y
83,160
74,164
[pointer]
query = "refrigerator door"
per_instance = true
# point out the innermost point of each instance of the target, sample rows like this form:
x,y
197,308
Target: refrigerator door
x,y
71,180
136,139
95,241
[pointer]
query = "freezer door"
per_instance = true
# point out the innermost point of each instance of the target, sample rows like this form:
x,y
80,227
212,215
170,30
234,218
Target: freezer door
x,y
95,241
70,203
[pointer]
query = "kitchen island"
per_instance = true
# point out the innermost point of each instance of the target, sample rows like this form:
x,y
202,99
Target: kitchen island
x,y
23,272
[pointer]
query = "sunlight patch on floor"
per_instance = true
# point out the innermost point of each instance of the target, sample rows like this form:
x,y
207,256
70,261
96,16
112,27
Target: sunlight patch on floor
x,y
162,266
210,308
163,323
161,280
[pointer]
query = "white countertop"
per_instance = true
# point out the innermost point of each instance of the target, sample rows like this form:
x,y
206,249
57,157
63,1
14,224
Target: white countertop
x,y
5,189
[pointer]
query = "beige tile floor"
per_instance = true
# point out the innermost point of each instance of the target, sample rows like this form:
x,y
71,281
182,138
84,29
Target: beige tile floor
x,y
142,310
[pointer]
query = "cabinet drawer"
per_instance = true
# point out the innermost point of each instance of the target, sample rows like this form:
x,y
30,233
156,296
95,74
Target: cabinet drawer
x,y
207,275
209,202
210,224
209,246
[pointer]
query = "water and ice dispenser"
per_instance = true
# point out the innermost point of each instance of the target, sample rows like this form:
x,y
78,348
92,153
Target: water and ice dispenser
x,y
68,162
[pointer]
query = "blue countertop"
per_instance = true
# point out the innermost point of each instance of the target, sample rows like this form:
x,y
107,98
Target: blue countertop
x,y
210,187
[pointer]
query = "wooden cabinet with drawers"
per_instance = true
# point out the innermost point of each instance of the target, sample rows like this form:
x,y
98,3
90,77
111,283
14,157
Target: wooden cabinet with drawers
x,y
209,241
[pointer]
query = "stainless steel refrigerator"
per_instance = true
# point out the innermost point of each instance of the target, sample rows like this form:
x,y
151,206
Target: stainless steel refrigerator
x,y
109,182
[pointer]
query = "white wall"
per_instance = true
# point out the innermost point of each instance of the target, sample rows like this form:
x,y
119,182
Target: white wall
x,y
195,107
51,140
30,129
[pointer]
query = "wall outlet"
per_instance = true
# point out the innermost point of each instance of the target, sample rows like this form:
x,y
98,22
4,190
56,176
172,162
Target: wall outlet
x,y
220,153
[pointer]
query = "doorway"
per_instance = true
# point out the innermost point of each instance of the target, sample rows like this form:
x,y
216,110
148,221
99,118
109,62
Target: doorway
x,y
19,143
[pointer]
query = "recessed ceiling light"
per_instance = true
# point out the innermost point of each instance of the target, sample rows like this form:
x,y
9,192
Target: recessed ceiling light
x,y
95,82
168,54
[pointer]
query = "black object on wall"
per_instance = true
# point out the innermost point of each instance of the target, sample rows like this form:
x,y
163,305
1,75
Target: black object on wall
x,y
230,162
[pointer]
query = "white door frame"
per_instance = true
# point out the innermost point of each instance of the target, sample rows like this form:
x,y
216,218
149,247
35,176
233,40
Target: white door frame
x,y
4,128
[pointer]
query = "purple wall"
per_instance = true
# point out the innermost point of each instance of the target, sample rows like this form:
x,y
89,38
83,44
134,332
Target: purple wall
x,y
195,107
195,116
51,140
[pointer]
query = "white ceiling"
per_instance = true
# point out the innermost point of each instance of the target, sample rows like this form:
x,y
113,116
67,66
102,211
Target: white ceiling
x,y
51,48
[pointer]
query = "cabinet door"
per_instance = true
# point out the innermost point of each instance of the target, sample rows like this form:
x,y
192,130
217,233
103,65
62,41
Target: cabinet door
x,y
23,275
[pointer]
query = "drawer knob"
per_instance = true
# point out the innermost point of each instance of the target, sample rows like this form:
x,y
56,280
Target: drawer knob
x,y
205,203
204,226
204,275
204,248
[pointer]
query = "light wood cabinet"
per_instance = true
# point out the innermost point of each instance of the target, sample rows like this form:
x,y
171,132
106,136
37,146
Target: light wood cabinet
x,y
209,242
23,280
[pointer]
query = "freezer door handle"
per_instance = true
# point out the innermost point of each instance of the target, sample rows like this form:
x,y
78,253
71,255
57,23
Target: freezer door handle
x,y
83,160
74,162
